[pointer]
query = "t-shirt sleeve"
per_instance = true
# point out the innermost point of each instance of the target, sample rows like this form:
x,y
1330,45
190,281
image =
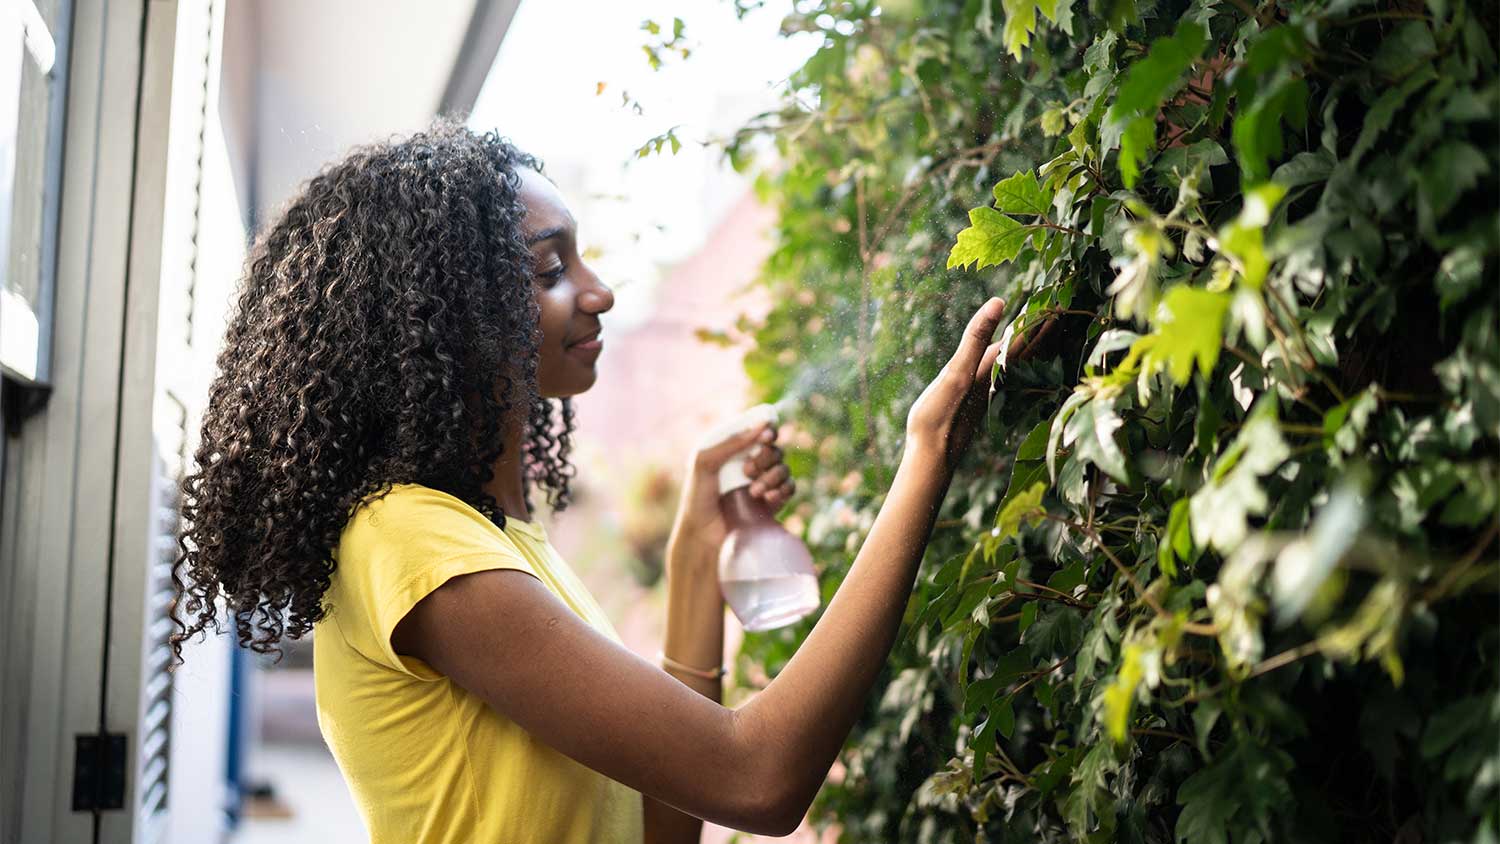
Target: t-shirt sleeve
x,y
397,550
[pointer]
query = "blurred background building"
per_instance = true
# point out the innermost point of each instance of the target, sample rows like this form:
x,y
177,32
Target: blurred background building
x,y
142,144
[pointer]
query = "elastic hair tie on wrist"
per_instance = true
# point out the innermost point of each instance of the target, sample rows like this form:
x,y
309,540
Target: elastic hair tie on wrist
x,y
672,664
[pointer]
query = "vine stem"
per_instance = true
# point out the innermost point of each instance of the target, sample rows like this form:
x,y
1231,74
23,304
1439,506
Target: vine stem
x,y
1048,224
1152,731
1151,601
1062,596
1451,577
1286,657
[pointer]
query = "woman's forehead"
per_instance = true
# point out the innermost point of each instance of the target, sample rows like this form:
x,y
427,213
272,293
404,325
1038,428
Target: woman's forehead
x,y
545,207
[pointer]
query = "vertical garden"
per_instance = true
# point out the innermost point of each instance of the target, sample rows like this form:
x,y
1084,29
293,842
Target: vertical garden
x,y
1222,566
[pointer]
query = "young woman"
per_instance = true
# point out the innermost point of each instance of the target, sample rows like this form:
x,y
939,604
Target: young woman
x,y
384,405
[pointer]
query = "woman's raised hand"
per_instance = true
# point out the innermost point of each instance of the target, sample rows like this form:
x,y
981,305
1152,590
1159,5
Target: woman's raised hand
x,y
698,515
943,419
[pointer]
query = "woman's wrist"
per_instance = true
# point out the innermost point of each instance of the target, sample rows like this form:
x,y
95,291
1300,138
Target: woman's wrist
x,y
927,459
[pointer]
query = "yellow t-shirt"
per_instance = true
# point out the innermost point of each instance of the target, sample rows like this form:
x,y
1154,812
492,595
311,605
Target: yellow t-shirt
x,y
428,762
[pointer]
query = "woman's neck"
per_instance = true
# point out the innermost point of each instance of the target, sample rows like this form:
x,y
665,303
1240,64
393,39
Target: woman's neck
x,y
508,485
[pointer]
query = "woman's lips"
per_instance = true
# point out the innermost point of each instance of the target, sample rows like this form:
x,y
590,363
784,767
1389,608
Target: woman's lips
x,y
589,349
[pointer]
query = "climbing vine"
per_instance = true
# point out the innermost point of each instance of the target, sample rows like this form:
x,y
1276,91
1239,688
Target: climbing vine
x,y
1222,566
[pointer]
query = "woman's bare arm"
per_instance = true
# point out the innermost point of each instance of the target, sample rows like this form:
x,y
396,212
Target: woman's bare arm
x,y
755,768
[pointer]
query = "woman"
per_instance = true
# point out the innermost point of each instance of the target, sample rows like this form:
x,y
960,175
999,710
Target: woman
x,y
384,404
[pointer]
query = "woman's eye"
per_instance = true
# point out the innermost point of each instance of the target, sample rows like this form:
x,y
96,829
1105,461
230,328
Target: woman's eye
x,y
554,273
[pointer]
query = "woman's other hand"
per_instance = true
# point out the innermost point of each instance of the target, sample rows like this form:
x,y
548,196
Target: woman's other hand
x,y
699,519
943,419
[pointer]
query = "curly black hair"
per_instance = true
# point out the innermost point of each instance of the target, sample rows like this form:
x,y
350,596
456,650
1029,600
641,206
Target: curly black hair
x,y
385,331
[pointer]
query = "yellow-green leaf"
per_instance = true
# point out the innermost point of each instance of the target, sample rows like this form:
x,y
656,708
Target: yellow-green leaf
x,y
1025,508
991,238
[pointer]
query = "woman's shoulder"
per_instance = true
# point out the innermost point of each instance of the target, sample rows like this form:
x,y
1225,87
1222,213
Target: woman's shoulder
x,y
420,518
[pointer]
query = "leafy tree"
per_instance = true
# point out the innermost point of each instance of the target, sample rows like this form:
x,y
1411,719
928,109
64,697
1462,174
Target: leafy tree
x,y
1222,567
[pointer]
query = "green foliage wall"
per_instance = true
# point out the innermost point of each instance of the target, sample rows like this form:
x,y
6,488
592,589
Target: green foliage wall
x,y
1222,566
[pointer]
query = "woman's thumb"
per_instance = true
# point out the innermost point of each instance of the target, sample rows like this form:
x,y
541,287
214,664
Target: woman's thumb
x,y
714,455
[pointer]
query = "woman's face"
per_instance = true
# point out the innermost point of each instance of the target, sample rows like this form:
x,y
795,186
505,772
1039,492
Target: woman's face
x,y
570,295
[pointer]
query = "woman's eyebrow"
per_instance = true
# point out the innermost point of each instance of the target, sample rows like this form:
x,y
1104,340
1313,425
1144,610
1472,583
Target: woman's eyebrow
x,y
545,234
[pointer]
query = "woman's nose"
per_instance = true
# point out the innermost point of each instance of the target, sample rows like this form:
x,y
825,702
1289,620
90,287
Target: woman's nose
x,y
598,296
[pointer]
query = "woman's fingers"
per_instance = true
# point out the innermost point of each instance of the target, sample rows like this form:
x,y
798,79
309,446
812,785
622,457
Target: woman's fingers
x,y
770,478
761,458
976,342
777,495
987,363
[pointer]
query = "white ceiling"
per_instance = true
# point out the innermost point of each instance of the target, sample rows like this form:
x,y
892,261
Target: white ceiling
x,y
333,73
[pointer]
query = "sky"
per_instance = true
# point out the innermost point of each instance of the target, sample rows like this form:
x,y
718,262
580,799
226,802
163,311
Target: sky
x,y
637,217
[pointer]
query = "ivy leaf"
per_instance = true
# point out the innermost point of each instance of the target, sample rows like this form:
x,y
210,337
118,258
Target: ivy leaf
x,y
1119,697
1053,121
1344,426
1190,330
1131,120
1136,141
1149,80
1028,617
1459,274
1244,238
983,743
1059,425
1306,562
1177,542
1020,21
1034,447
1021,194
1219,510
1451,170
1025,508
1176,163
1209,799
1093,428
1249,777
991,239
1054,633
1257,128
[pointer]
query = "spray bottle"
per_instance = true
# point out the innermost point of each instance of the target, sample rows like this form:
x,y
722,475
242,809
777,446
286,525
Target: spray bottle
x,y
765,573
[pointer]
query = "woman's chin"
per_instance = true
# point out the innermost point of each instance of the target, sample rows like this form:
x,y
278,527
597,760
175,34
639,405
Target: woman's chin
x,y
579,381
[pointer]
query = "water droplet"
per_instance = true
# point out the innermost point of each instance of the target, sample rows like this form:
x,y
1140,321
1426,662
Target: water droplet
x,y
995,531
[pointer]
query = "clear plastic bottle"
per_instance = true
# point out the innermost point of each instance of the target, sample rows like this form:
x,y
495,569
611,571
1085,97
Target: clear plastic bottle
x,y
765,572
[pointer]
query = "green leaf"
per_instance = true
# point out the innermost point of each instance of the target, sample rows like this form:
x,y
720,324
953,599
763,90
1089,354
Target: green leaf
x,y
1067,579
1177,542
1138,139
1459,274
1028,617
1244,238
1021,194
1025,508
1131,120
1453,169
991,238
1220,509
1005,717
1305,168
1034,447
1175,163
1150,79
1452,723
1190,330
1092,428
1257,131
1053,121
1056,631
983,742
1119,697
1020,21
1059,425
